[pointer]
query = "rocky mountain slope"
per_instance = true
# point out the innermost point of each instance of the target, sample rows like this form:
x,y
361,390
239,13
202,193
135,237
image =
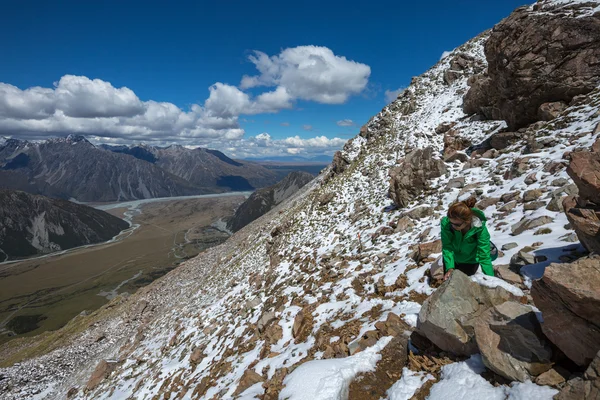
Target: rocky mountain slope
x,y
263,200
329,295
32,225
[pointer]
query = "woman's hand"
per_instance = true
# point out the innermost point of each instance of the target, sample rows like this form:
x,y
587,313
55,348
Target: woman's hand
x,y
447,274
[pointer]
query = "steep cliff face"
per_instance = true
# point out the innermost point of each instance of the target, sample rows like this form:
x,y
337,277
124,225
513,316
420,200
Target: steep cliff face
x,y
316,289
263,200
32,225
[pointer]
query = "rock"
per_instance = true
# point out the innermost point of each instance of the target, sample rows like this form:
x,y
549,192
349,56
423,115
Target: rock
x,y
521,259
534,205
502,140
326,198
454,155
445,315
584,169
511,342
487,202
444,127
508,206
427,249
197,356
252,303
265,320
298,321
273,333
456,183
559,182
392,326
531,178
102,371
587,388
535,58
339,163
531,195
568,295
72,392
249,378
404,224
512,196
368,339
526,224
411,177
550,378
585,222
505,272
549,111
419,212
509,246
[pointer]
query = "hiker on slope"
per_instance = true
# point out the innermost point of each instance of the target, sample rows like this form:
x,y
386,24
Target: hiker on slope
x,y
466,241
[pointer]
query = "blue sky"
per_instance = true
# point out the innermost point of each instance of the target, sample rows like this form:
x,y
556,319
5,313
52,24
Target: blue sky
x,y
122,62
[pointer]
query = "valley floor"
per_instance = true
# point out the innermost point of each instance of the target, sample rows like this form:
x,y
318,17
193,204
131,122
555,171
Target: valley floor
x,y
43,294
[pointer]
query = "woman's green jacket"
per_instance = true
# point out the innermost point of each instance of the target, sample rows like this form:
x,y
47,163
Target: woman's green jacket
x,y
471,248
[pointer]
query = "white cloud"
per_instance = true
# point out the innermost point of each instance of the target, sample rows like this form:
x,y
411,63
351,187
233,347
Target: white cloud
x,y
307,127
81,97
309,73
263,145
32,103
345,122
391,95
285,124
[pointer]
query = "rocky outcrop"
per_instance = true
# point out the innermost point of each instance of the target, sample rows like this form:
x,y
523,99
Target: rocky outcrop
x,y
411,177
263,200
32,225
339,163
537,56
585,221
569,299
583,211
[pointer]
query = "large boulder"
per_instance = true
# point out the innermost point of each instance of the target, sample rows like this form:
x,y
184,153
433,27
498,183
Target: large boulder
x,y
411,177
585,221
511,342
568,295
537,55
586,388
447,316
584,169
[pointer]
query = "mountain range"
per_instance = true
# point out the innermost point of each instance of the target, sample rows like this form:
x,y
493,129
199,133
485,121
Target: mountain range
x,y
74,168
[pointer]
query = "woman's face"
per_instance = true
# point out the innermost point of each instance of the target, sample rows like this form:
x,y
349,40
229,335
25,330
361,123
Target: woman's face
x,y
458,224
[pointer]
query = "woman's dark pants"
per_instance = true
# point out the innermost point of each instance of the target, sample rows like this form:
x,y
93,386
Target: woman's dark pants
x,y
467,269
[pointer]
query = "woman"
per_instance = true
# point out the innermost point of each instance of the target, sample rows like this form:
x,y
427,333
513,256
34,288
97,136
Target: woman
x,y
466,240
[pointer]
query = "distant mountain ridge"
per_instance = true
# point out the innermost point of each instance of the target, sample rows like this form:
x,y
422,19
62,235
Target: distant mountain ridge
x,y
72,167
263,200
33,225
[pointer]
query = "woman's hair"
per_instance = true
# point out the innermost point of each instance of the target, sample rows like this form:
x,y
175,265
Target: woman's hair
x,y
462,209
